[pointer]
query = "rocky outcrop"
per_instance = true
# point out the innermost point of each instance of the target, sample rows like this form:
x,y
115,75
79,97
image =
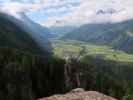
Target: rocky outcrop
x,y
80,94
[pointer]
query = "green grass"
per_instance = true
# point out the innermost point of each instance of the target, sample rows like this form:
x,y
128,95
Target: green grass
x,y
63,48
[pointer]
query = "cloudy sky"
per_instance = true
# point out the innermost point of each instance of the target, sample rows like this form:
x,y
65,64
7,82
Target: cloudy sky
x,y
70,12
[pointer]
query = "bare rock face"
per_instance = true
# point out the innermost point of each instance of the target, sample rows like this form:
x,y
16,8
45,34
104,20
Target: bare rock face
x,y
80,94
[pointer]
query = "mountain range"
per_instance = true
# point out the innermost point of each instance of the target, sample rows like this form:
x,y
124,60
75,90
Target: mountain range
x,y
37,32
117,35
15,33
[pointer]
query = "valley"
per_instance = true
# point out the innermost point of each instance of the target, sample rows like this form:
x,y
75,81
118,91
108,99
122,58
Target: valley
x,y
65,48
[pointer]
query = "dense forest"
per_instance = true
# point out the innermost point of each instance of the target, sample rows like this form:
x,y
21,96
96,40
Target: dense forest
x,y
27,77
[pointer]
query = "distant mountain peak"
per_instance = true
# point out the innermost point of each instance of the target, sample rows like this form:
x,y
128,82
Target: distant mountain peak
x,y
106,11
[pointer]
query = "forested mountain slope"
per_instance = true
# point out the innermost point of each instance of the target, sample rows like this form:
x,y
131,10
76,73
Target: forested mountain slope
x,y
118,35
13,36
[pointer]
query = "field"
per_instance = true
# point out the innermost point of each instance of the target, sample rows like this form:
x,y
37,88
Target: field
x,y
75,48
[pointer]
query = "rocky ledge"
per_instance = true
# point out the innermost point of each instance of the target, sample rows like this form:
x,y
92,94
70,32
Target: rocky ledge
x,y
80,94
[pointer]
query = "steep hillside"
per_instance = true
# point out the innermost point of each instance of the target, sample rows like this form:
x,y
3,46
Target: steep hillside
x,y
118,35
35,27
13,36
37,32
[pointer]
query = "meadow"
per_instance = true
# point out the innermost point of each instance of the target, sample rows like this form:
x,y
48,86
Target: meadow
x,y
63,48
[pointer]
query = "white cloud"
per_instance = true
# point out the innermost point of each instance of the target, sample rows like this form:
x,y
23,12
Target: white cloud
x,y
49,6
87,12
17,7
14,7
55,10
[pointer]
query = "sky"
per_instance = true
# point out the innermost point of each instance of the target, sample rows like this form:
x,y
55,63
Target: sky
x,y
70,12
